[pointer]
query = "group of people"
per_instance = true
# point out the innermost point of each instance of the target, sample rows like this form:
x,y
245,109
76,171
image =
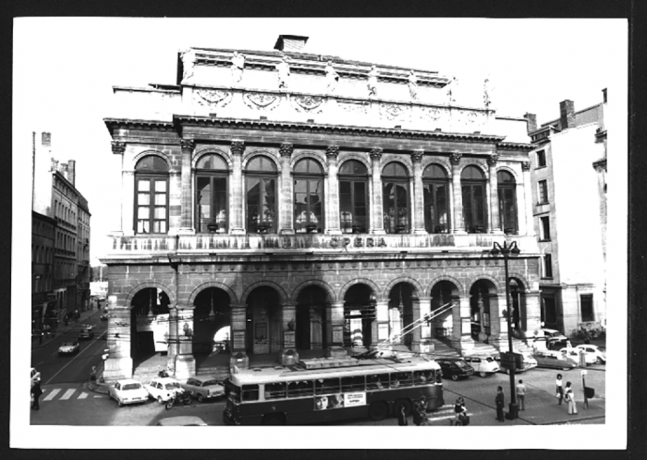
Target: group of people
x,y
565,394
419,413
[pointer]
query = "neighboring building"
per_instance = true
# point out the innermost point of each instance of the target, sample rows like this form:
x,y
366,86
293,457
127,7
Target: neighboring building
x,y
307,204
55,196
43,231
569,186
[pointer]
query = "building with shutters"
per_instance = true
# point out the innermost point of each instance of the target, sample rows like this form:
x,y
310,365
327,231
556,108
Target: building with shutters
x,y
282,204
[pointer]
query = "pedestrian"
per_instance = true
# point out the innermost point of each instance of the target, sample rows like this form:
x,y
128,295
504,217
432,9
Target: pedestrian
x,y
460,412
521,394
35,394
402,416
93,374
420,412
559,390
569,397
500,402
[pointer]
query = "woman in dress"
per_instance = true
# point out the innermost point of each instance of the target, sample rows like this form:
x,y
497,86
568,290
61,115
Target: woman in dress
x,y
569,397
559,390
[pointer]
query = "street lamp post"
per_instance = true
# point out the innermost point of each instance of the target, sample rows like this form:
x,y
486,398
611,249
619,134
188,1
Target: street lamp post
x,y
506,250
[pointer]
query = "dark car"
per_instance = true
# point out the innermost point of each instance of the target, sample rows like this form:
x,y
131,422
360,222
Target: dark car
x,y
455,368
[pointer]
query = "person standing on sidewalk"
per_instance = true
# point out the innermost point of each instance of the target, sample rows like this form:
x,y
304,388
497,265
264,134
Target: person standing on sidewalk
x,y
521,395
420,412
569,397
35,394
559,390
402,416
500,402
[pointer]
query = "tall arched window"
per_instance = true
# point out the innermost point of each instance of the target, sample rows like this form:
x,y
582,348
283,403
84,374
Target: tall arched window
x,y
151,195
211,199
308,196
435,184
353,193
507,202
474,200
260,180
395,189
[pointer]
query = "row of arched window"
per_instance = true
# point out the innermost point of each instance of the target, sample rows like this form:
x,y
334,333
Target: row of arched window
x,y
261,192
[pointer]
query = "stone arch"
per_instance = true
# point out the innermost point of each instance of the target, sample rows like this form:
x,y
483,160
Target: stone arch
x,y
368,282
484,276
344,157
460,286
212,284
283,297
441,162
391,158
480,164
510,170
211,150
149,284
524,281
323,285
314,155
261,152
149,152
404,279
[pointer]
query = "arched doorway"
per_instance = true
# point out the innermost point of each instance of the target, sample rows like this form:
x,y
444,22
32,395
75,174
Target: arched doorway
x,y
264,331
149,323
401,310
359,314
518,307
443,293
481,295
311,318
211,313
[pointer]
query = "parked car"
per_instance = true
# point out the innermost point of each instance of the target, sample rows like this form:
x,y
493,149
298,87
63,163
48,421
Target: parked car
x,y
574,353
204,387
483,365
35,376
69,348
555,360
182,420
527,363
128,391
593,350
552,333
163,388
455,368
86,333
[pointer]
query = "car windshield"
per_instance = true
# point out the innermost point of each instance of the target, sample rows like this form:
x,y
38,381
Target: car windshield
x,y
489,359
461,364
68,344
171,386
209,383
131,386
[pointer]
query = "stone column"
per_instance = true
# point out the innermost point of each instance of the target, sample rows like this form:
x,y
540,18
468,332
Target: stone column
x,y
528,204
119,364
239,358
424,336
289,353
462,325
336,347
498,322
457,211
418,194
377,221
184,360
316,341
173,336
533,311
494,221
382,320
286,226
332,203
186,225
236,201
127,191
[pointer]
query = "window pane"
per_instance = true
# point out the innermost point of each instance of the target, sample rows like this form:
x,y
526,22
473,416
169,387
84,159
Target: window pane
x,y
211,162
160,199
323,386
160,213
309,166
143,226
434,172
472,173
203,202
274,390
261,164
143,199
395,170
143,212
353,167
300,389
503,177
143,185
152,163
160,186
220,201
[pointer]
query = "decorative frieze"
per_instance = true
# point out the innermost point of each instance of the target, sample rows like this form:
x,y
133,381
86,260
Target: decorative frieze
x,y
118,147
307,103
212,97
265,101
237,147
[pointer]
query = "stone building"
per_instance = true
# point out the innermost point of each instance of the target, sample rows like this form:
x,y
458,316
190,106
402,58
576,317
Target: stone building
x,y
43,230
308,204
569,184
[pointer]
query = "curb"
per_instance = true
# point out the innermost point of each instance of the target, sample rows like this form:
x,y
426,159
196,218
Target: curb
x,y
97,388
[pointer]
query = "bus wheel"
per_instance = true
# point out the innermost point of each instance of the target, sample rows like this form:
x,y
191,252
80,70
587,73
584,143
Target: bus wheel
x,y
378,411
274,419
402,403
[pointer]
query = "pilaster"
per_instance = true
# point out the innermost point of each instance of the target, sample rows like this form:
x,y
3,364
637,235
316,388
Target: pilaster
x,y
289,353
494,222
418,194
236,200
336,345
286,226
186,226
528,204
377,222
457,191
128,202
382,321
332,205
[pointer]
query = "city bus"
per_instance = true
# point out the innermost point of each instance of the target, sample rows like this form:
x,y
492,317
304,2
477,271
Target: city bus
x,y
295,395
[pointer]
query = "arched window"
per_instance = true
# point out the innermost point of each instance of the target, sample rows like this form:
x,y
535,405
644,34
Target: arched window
x,y
260,182
435,184
151,195
507,202
474,200
211,194
395,187
353,193
308,197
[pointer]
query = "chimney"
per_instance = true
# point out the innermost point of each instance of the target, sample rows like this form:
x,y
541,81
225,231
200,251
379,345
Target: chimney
x,y
604,95
290,43
46,139
71,166
531,122
567,114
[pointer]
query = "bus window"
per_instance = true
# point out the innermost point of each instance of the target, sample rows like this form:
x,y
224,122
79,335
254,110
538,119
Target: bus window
x,y
401,379
325,386
232,392
377,381
423,377
275,390
352,384
250,393
300,388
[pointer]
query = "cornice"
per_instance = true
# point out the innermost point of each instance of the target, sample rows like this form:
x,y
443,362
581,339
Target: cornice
x,y
515,146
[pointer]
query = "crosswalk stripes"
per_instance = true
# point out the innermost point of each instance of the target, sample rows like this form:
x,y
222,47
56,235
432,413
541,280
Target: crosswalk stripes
x,y
68,393
51,396
83,395
61,394
445,412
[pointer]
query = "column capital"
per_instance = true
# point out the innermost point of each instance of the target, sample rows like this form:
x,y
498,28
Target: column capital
x,y
376,153
237,147
455,158
187,145
416,155
285,149
492,159
525,166
332,151
118,148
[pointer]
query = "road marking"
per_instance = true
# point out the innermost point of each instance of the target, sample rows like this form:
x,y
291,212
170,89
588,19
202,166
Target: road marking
x,y
68,363
83,395
68,393
52,394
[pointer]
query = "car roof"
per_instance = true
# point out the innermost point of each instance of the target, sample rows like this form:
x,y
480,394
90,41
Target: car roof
x,y
124,381
202,378
165,380
181,420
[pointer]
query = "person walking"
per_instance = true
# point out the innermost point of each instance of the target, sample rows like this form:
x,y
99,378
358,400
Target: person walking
x,y
35,394
569,397
521,395
420,412
559,390
500,402
402,416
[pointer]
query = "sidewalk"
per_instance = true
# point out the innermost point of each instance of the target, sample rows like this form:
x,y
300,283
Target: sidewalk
x,y
62,329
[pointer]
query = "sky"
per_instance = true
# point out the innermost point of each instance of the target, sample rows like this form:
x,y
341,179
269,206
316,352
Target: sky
x,y
65,68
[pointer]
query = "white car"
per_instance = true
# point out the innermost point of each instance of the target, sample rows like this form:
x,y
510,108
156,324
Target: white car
x,y
69,348
163,388
128,391
483,365
574,353
593,351
204,387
